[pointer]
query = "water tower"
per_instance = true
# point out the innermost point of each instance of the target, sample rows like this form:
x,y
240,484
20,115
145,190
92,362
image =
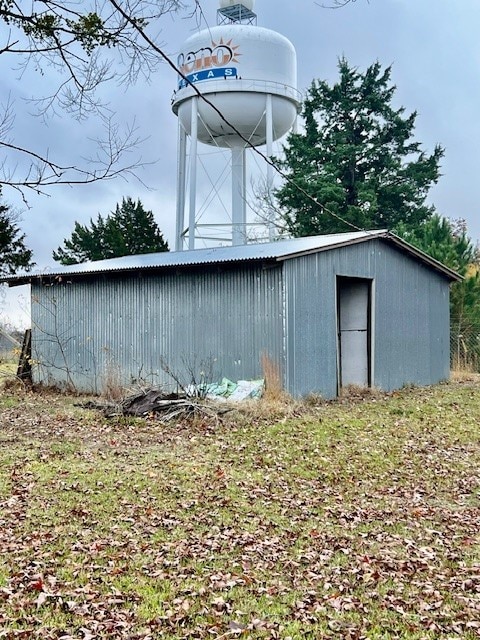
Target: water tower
x,y
249,74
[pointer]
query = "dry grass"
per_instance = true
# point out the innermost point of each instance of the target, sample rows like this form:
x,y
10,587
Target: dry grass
x,y
8,368
264,411
112,388
355,391
464,365
464,375
272,375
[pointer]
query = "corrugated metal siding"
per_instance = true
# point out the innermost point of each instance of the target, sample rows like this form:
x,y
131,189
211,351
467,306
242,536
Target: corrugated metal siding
x,y
125,327
410,323
310,327
412,329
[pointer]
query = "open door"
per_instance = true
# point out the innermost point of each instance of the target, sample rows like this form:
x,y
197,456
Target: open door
x,y
354,323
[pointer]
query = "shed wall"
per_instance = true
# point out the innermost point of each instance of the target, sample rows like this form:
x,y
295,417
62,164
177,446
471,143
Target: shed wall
x,y
410,318
122,328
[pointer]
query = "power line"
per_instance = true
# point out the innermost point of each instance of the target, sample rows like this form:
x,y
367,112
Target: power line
x,y
248,143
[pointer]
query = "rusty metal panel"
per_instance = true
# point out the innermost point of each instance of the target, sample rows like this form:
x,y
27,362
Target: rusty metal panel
x,y
129,329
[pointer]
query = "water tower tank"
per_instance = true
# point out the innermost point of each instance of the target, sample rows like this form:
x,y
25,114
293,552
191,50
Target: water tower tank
x,y
236,66
248,77
231,3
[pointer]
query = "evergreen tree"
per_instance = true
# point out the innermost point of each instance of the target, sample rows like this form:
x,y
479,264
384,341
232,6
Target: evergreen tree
x,y
445,240
357,158
129,230
13,253
448,242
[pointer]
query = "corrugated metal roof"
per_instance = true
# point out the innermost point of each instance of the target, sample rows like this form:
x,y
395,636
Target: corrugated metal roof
x,y
279,250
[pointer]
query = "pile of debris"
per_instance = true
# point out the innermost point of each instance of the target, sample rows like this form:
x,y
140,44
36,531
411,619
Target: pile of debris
x,y
207,401
166,407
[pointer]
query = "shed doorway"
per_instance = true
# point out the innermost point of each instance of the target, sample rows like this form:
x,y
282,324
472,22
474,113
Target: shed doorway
x,y
354,331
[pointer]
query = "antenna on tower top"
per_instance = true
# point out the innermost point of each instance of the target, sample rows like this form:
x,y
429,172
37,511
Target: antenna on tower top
x,y
233,12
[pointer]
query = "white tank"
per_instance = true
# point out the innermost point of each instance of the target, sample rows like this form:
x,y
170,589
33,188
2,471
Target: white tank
x,y
248,4
236,66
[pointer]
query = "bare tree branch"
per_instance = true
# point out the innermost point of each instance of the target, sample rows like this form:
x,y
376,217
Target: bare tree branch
x,y
336,4
87,44
43,172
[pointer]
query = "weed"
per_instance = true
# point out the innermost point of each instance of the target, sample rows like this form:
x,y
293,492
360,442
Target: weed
x,y
272,375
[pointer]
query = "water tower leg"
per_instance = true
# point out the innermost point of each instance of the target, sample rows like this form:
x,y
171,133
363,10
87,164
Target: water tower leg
x,y
269,131
193,173
239,208
295,125
181,183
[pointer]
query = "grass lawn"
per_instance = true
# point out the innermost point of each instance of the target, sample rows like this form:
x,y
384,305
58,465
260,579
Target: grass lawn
x,y
358,519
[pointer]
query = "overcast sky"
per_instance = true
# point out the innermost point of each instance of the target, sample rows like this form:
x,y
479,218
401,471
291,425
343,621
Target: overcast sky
x,y
435,51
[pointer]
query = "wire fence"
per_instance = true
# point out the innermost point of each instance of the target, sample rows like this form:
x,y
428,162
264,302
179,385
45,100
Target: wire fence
x,y
465,347
10,344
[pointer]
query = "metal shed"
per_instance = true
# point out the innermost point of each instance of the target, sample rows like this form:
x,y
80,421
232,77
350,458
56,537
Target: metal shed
x,y
361,308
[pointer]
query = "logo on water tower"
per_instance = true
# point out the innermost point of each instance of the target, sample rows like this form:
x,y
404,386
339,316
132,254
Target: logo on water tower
x,y
209,62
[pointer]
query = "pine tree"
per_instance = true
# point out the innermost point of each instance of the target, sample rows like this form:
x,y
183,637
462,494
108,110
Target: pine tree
x,y
14,254
129,230
357,158
445,240
448,242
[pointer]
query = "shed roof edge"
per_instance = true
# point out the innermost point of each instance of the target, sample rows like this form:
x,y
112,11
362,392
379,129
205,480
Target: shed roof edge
x,y
337,241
